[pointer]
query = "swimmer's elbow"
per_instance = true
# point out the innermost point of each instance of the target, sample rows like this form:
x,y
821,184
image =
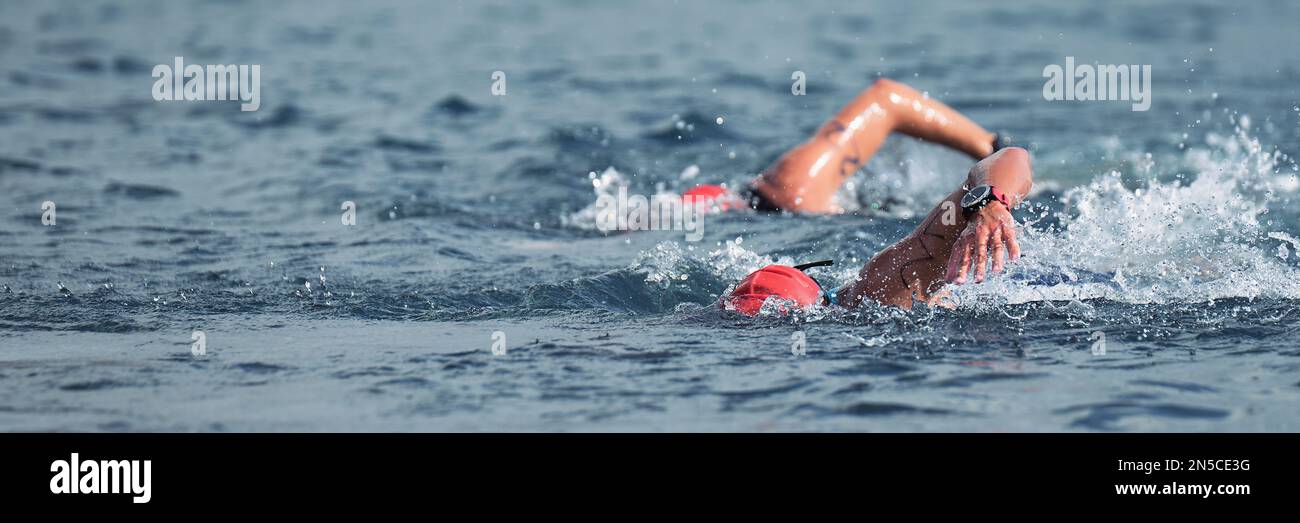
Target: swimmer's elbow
x,y
1009,168
1022,165
1021,158
885,83
1015,154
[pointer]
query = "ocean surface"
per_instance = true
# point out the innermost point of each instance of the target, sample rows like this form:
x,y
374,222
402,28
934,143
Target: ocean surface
x,y
1158,290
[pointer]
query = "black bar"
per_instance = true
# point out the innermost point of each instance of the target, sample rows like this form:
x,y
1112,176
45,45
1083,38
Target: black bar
x,y
394,470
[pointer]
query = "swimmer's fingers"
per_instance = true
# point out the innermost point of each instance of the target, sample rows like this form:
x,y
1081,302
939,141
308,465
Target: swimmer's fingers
x,y
953,259
999,250
959,262
981,254
1009,237
967,256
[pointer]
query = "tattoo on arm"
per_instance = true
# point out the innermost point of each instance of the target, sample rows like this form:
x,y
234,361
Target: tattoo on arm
x,y
849,165
833,128
929,255
852,161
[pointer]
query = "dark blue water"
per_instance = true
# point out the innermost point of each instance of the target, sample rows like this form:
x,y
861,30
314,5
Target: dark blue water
x,y
1169,233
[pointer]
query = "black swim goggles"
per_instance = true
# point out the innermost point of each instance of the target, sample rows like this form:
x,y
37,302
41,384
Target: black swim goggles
x,y
828,297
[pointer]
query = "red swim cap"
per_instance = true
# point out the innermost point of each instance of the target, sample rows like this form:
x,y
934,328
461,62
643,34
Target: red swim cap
x,y
787,283
716,195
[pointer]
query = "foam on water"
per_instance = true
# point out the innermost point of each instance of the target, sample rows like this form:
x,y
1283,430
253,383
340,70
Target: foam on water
x,y
607,185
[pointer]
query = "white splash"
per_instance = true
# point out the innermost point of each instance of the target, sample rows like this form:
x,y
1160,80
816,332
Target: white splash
x,y
1162,242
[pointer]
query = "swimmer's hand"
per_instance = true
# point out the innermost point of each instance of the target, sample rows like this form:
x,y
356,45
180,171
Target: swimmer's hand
x,y
989,234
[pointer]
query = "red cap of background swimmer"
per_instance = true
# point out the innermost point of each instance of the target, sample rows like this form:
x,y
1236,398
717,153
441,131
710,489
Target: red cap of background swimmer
x,y
774,280
715,194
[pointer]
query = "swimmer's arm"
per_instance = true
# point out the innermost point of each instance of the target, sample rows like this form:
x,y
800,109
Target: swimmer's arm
x,y
990,234
913,268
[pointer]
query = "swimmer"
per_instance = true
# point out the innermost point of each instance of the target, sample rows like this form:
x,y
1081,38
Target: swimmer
x,y
967,234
